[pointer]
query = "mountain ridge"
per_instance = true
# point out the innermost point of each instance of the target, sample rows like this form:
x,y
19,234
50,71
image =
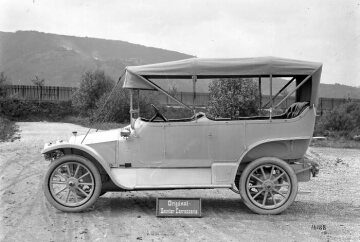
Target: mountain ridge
x,y
62,59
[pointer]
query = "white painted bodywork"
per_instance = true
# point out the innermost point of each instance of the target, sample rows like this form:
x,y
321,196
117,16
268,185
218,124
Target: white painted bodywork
x,y
203,151
198,153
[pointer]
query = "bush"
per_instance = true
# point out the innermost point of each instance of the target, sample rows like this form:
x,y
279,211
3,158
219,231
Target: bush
x,y
342,121
7,129
26,110
234,97
92,87
115,110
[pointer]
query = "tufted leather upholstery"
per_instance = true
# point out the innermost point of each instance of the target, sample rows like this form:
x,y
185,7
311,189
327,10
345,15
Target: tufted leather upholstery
x,y
295,109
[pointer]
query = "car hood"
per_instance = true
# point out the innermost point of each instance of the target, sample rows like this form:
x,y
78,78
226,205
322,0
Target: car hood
x,y
96,137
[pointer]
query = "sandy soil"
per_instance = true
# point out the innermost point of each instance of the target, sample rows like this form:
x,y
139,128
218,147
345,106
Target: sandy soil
x,y
326,209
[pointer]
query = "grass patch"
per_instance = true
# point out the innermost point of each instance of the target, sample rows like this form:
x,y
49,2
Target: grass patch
x,y
8,129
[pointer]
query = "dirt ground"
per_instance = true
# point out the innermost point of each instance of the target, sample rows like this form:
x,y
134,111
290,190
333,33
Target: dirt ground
x,y
326,209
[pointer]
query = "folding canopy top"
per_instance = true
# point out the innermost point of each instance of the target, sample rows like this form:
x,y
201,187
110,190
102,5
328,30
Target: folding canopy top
x,y
260,66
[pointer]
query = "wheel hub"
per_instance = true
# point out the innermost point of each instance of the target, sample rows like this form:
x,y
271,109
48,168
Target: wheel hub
x,y
268,185
72,182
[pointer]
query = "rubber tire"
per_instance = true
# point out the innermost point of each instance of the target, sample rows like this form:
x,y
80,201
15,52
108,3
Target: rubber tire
x,y
83,161
262,161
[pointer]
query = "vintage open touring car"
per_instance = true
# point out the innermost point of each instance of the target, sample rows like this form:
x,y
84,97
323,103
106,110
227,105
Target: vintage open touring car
x,y
261,157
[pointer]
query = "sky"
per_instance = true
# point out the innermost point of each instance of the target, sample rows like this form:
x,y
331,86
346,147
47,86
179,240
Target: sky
x,y
326,31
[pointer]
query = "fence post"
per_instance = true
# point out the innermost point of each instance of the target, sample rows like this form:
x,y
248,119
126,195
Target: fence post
x,y
260,94
321,107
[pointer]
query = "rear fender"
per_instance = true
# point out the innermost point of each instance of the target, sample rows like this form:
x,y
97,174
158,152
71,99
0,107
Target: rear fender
x,y
284,149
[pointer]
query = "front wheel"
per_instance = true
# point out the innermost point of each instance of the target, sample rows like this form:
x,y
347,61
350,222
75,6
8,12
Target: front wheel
x,y
268,186
72,183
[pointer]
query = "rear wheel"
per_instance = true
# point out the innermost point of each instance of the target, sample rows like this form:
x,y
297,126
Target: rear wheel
x,y
72,183
268,186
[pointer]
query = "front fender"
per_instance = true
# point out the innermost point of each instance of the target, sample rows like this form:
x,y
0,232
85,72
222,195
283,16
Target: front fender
x,y
90,151
64,145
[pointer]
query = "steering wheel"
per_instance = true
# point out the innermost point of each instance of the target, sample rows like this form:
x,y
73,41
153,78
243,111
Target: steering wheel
x,y
157,114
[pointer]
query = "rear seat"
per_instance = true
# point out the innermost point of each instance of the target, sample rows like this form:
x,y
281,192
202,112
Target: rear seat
x,y
294,110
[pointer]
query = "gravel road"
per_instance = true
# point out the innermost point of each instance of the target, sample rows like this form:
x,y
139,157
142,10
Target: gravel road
x,y
326,209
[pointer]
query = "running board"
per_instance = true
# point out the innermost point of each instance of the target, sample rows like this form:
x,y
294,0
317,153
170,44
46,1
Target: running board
x,y
170,187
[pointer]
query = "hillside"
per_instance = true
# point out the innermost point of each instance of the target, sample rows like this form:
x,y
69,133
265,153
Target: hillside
x,y
61,60
326,90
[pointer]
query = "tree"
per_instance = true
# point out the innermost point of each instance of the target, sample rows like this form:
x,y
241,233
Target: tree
x,y
92,87
233,97
116,108
3,82
39,82
3,78
173,91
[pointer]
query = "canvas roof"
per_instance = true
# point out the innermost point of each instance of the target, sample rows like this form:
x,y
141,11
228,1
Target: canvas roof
x,y
259,66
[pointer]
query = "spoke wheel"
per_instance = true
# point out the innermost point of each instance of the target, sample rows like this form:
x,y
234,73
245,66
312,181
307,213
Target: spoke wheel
x,y
72,183
268,186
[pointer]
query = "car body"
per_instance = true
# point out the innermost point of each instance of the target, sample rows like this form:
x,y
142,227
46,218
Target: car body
x,y
261,156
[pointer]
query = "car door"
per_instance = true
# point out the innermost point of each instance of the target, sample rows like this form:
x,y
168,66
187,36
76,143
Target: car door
x,y
144,148
186,144
227,140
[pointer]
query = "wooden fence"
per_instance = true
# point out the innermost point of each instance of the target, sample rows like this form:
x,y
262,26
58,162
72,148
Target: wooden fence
x,y
328,104
44,93
54,93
